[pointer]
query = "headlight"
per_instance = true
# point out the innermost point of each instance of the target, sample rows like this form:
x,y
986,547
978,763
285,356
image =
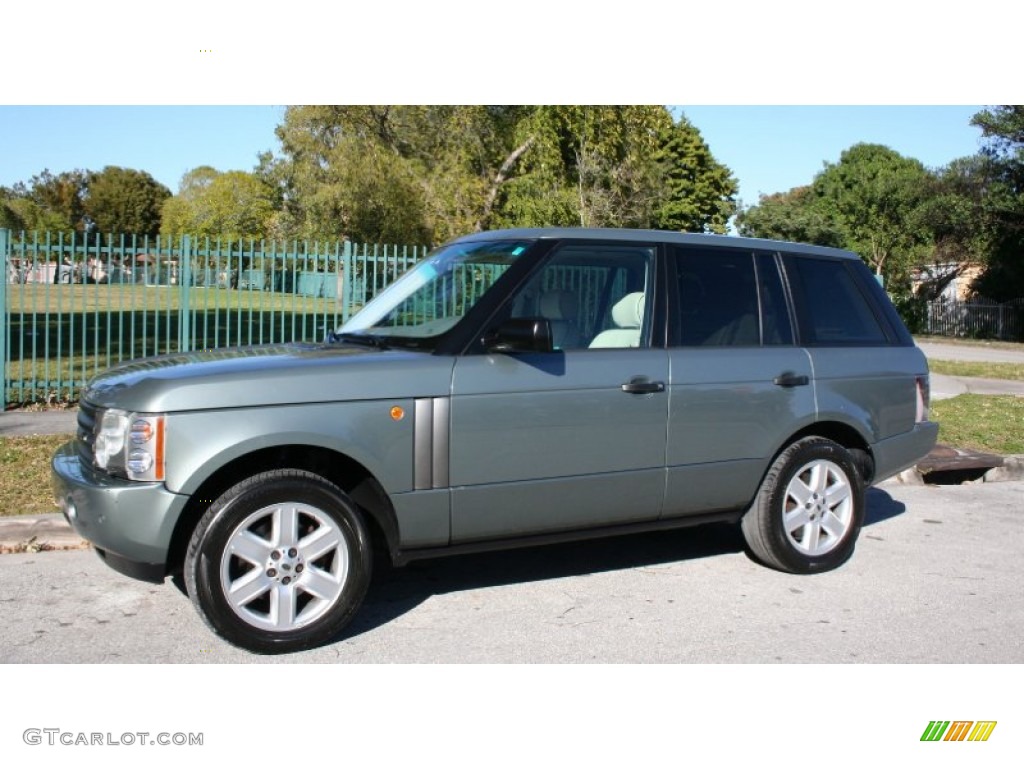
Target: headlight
x,y
130,445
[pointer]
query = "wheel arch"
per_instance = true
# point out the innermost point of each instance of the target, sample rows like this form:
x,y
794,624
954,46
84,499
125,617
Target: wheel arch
x,y
348,474
845,435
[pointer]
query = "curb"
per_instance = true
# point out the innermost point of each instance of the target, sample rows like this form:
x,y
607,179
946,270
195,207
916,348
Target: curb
x,y
38,533
1012,469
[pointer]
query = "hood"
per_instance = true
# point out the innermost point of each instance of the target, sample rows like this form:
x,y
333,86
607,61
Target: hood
x,y
267,375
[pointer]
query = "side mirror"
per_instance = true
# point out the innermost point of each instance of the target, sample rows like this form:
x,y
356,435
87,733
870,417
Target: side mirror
x,y
521,334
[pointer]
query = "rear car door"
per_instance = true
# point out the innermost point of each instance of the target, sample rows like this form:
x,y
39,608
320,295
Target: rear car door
x,y
739,385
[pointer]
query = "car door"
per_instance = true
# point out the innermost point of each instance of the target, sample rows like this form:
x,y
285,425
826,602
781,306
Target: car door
x,y
573,438
738,384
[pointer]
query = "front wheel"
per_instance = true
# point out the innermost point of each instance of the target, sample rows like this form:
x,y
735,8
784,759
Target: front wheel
x,y
280,562
809,510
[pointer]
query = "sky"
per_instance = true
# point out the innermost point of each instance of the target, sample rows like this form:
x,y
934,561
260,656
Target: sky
x,y
768,148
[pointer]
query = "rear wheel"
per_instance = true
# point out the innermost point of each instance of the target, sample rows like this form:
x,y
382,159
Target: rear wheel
x,y
809,510
280,562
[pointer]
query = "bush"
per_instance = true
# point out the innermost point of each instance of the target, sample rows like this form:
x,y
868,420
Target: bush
x,y
914,311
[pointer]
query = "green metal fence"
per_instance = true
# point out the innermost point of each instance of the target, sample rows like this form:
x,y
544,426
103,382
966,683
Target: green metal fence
x,y
72,306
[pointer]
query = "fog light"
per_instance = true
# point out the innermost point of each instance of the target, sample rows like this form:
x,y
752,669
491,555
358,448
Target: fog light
x,y
70,510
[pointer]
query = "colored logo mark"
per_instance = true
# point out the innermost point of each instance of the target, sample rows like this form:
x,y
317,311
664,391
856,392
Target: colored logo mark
x,y
958,730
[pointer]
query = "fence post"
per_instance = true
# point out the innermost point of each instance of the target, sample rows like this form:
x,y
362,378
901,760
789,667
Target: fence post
x,y
5,257
346,298
184,310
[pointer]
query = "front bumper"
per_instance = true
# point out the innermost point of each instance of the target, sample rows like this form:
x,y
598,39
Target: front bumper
x,y
129,523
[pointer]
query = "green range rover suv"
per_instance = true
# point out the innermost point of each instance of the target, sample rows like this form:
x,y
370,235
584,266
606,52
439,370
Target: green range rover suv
x,y
516,387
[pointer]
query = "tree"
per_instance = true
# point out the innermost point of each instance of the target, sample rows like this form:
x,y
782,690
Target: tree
x,y
874,193
123,200
700,192
617,166
869,202
47,203
227,205
1003,130
432,172
589,166
792,215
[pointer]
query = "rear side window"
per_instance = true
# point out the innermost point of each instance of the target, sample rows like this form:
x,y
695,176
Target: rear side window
x,y
832,308
728,298
716,298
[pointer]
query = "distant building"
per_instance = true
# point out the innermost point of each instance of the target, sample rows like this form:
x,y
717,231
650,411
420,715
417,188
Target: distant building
x,y
951,281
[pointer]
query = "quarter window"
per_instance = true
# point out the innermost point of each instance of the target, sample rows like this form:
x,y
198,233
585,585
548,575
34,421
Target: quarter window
x,y
835,310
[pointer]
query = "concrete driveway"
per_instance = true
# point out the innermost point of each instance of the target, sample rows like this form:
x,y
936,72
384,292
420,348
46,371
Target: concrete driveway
x,y
978,352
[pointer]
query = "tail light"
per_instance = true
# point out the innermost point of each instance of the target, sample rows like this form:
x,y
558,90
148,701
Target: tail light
x,y
924,397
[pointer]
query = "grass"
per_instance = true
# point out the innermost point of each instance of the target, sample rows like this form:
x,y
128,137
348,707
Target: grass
x,y
25,474
43,297
1010,371
62,335
993,424
964,342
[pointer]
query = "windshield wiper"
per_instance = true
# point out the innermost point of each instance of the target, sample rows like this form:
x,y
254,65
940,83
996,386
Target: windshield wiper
x,y
363,339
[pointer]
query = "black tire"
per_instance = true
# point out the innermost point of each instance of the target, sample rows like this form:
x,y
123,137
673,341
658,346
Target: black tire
x,y
809,509
297,554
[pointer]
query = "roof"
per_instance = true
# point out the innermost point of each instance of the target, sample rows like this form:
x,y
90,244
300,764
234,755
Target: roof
x,y
649,235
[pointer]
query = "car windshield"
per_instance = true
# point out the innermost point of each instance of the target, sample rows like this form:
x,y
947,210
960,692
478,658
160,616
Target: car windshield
x,y
433,296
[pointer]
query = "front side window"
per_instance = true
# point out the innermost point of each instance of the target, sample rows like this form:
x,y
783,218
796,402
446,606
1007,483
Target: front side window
x,y
431,298
593,296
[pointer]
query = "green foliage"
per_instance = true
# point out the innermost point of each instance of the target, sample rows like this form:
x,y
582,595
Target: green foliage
x,y
794,216
873,193
231,205
47,203
124,200
956,210
428,173
1003,129
24,215
868,202
700,192
913,309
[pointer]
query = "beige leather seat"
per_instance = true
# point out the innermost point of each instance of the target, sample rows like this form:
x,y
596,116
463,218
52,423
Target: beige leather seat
x,y
560,308
628,315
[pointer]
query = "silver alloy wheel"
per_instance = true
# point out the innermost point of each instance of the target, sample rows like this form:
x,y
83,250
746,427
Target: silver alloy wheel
x,y
818,507
284,566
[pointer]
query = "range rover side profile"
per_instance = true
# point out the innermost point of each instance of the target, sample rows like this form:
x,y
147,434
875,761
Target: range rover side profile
x,y
516,387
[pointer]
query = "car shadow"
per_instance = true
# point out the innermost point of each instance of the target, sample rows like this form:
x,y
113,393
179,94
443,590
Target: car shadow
x,y
400,590
881,507
397,591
